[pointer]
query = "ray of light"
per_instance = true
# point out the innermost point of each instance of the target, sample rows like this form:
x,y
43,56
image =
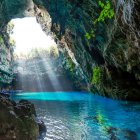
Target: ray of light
x,y
28,35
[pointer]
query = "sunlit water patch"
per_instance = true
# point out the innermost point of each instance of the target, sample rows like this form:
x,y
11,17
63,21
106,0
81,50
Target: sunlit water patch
x,y
84,116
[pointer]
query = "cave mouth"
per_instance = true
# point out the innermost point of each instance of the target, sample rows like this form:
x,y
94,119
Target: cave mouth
x,y
36,59
29,37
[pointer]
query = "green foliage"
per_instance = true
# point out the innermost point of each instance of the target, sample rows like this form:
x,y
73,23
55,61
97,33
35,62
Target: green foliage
x,y
1,39
90,35
97,75
87,35
107,11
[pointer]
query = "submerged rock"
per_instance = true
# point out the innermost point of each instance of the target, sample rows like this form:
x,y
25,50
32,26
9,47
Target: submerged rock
x,y
114,132
130,135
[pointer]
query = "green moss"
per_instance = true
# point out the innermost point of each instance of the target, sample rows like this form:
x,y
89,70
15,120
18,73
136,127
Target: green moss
x,y
29,127
90,35
1,39
97,75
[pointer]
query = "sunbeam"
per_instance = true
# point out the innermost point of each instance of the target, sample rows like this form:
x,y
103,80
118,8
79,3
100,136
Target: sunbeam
x,y
35,54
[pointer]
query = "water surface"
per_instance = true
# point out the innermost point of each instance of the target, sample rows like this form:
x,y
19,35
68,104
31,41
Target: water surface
x,y
84,116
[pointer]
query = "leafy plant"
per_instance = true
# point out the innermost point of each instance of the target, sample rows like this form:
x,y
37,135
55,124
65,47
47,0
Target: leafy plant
x,y
107,11
97,75
90,35
87,35
1,39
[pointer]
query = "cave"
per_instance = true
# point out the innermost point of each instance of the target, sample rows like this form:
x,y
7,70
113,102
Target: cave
x,y
36,55
75,44
98,43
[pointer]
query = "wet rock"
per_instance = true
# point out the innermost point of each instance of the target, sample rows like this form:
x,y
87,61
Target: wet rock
x,y
130,135
42,129
5,95
114,132
17,120
26,107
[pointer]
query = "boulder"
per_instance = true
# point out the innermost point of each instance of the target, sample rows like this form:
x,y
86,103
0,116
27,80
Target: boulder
x,y
17,120
42,129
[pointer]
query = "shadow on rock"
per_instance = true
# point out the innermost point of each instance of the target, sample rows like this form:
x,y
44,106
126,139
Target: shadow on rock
x,y
42,129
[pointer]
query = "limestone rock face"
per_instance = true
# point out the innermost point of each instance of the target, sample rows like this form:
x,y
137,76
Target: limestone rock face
x,y
15,8
100,49
6,58
109,58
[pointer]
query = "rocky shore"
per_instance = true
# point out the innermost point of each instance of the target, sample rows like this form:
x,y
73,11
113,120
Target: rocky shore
x,y
18,121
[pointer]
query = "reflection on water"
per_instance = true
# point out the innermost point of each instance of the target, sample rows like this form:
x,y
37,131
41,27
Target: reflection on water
x,y
84,116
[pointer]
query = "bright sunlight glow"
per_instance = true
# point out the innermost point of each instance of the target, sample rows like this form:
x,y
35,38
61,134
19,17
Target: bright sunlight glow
x,y
28,34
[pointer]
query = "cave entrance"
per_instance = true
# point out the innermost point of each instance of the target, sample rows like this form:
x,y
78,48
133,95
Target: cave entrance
x,y
30,38
36,59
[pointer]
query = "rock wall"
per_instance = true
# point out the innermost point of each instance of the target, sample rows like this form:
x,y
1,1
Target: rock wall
x,y
98,40
6,57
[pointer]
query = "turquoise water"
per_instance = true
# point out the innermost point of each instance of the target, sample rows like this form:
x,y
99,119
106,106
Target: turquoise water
x,y
84,116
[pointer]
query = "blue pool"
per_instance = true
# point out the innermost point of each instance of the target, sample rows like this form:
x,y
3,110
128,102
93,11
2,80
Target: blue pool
x,y
84,116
